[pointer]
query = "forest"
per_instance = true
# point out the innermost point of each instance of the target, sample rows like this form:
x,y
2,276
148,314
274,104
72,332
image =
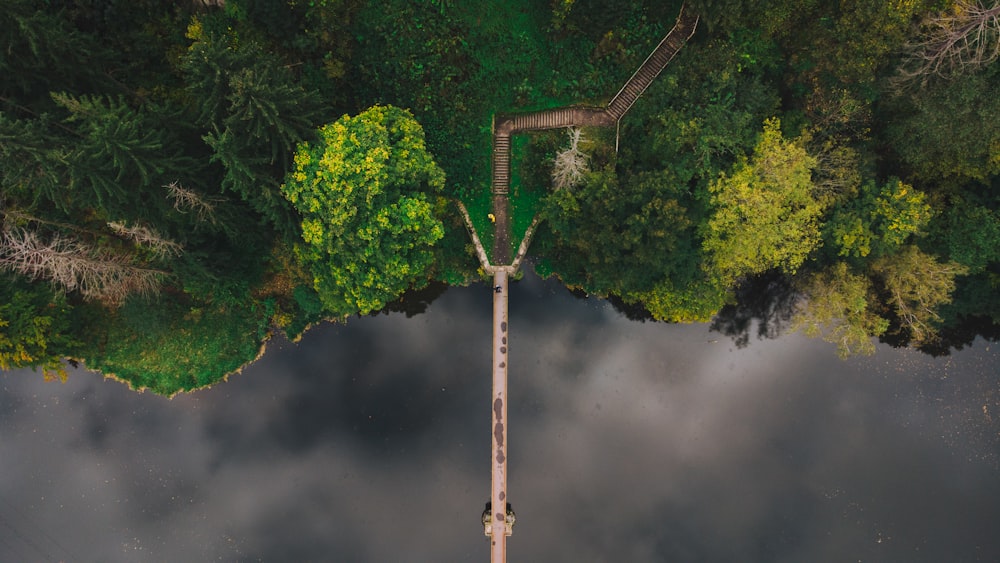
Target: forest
x,y
181,180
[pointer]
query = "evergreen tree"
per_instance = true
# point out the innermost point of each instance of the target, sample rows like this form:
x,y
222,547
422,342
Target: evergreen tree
x,y
120,158
253,111
41,51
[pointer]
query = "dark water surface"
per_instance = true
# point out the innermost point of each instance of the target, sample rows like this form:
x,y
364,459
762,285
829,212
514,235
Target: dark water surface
x,y
628,442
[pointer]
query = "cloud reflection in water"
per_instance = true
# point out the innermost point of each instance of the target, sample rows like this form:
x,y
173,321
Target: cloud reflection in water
x,y
628,442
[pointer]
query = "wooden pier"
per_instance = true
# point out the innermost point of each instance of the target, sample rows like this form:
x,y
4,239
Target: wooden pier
x,y
498,497
497,519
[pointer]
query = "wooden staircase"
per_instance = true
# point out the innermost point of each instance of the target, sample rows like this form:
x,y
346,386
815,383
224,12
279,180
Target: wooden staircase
x,y
683,29
501,164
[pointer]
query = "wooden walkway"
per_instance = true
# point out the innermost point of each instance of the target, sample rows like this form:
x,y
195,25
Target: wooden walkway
x,y
504,265
506,125
498,488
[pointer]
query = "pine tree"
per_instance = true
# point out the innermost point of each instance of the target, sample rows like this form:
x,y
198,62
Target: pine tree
x,y
33,163
253,109
119,153
40,51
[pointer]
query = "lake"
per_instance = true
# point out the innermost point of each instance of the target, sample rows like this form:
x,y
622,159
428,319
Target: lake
x,y
629,441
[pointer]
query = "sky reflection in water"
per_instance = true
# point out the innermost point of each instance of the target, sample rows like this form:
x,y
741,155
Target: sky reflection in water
x,y
628,442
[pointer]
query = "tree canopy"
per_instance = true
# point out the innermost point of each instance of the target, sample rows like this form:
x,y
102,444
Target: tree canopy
x,y
366,193
765,215
173,175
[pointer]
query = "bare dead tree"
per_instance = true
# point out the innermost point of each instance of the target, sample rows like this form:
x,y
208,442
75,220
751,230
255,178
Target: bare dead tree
x,y
76,266
963,39
570,164
148,238
837,173
186,200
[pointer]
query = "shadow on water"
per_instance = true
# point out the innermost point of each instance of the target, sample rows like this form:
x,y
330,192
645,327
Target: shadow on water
x,y
962,334
766,302
415,302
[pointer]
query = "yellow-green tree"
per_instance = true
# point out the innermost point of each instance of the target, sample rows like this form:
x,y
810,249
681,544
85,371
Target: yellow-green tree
x,y
693,302
918,284
765,214
880,220
34,326
834,306
366,194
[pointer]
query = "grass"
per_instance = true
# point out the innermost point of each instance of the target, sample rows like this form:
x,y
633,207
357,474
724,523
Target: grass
x,y
172,346
525,199
479,205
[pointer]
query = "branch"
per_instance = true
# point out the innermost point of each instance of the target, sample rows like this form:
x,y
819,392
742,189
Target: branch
x,y
955,42
148,238
186,200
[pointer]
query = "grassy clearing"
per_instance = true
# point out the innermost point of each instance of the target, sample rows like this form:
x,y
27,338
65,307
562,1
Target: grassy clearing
x,y
170,346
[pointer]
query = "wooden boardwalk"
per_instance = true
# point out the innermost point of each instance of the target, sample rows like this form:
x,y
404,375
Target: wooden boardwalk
x,y
503,266
506,125
498,491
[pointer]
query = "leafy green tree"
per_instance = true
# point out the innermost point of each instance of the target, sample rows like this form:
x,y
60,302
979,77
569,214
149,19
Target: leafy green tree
x,y
918,284
770,15
366,196
948,129
605,229
634,237
637,233
765,215
880,220
704,111
971,233
835,305
851,41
